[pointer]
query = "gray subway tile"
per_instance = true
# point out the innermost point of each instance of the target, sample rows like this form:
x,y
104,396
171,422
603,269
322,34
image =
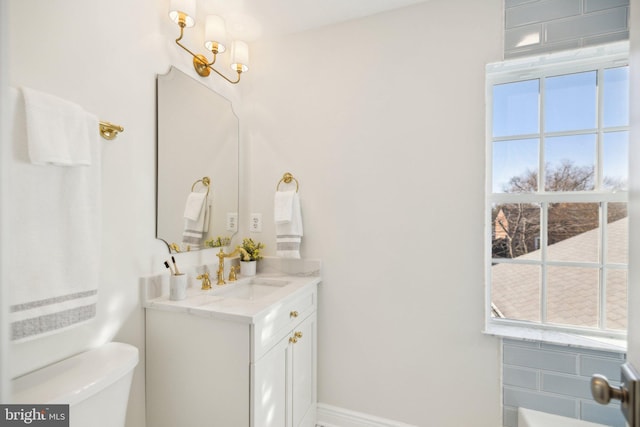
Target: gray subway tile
x,y
563,384
610,368
609,21
520,377
521,343
541,402
514,3
531,35
607,38
595,5
541,12
582,350
509,416
539,359
609,415
542,49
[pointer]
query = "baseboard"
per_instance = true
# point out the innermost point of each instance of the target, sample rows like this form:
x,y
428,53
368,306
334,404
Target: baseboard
x,y
332,416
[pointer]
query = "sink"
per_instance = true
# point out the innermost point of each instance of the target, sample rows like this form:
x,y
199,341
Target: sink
x,y
253,289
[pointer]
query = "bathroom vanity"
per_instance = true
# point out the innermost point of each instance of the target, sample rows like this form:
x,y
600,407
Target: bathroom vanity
x,y
241,354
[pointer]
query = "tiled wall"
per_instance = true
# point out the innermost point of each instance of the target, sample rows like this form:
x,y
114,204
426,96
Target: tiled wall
x,y
555,379
542,26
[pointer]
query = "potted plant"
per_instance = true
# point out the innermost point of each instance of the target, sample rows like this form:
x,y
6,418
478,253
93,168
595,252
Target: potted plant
x,y
218,242
250,251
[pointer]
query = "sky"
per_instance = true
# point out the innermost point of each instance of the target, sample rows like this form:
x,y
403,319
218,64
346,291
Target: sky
x,y
569,122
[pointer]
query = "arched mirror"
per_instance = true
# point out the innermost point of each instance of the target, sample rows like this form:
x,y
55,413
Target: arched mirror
x,y
198,163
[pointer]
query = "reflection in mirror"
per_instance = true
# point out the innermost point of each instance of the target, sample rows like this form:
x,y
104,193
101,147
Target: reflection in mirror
x,y
198,140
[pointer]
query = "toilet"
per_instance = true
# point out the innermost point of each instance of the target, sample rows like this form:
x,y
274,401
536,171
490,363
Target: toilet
x,y
94,383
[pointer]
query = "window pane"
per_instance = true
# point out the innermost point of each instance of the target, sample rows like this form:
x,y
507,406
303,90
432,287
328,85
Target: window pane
x,y
617,234
617,299
572,296
516,231
515,291
515,108
570,163
615,165
515,166
616,97
573,233
570,102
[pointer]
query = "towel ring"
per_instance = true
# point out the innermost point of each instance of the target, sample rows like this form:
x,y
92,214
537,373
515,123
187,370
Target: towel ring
x,y
287,178
205,181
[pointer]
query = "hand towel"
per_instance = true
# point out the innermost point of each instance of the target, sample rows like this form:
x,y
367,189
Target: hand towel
x,y
283,206
54,234
193,207
194,229
59,132
289,234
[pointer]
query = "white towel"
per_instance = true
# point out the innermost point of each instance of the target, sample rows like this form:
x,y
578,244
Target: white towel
x,y
289,234
59,132
283,206
194,204
54,234
194,230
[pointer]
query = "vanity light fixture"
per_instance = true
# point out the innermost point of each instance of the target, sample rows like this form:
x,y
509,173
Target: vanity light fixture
x,y
183,13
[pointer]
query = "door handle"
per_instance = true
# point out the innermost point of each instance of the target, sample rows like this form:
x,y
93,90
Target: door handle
x,y
603,392
628,393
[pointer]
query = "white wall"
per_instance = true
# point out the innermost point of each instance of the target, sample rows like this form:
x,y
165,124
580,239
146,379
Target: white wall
x,y
382,122
105,57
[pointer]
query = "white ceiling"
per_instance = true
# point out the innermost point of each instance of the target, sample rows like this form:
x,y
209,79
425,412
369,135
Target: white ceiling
x,y
250,20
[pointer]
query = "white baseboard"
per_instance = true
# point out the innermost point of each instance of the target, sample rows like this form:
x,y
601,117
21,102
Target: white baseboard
x,y
332,416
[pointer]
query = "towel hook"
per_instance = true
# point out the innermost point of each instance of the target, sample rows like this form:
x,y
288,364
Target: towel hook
x,y
109,131
287,178
206,181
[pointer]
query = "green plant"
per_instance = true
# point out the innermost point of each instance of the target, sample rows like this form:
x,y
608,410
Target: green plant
x,y
250,250
217,242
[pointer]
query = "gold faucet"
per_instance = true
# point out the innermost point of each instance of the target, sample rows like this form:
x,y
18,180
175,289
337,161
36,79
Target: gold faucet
x,y
233,273
221,256
206,282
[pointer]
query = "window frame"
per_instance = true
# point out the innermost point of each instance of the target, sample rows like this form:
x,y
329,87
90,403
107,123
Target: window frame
x,y
523,69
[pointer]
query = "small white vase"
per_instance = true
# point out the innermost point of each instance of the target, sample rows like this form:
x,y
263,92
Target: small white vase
x,y
248,268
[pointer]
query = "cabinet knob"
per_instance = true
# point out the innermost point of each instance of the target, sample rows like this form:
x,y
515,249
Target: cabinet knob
x,y
296,336
293,314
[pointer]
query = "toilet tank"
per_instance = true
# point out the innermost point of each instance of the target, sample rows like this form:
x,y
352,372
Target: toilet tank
x,y
95,384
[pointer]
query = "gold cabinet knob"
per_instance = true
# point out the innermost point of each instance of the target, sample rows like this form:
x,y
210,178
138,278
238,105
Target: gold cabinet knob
x,y
293,314
296,336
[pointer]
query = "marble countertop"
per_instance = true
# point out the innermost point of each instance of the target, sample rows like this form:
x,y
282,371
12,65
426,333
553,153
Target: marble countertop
x,y
237,300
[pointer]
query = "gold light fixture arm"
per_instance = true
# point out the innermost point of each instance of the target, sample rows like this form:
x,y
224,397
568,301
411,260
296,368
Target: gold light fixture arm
x,y
202,66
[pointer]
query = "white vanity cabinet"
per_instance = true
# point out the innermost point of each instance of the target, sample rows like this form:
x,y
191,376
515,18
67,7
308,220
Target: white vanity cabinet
x,y
207,367
283,380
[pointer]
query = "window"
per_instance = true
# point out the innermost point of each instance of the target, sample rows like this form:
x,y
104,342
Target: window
x,y
557,149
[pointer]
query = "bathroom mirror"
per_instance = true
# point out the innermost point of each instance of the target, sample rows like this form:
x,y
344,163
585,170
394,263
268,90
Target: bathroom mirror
x,y
198,136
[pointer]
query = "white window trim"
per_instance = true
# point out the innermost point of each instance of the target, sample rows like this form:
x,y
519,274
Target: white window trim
x,y
607,56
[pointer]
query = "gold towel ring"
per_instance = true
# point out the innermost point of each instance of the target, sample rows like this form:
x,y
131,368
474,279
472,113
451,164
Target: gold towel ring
x,y
205,181
287,178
